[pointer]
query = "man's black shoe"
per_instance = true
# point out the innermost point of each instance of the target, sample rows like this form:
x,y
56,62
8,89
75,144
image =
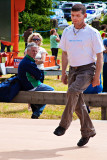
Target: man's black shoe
x,y
34,116
59,131
84,140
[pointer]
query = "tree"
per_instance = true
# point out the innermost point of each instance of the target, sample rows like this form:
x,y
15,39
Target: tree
x,y
35,14
104,20
40,7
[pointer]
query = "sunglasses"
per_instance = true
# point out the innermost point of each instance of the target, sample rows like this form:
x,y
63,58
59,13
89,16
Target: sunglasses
x,y
34,39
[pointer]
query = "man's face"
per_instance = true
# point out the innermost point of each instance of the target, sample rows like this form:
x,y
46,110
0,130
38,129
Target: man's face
x,y
77,17
32,52
30,29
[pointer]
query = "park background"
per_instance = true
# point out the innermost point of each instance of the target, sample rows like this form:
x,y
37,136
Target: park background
x,y
36,14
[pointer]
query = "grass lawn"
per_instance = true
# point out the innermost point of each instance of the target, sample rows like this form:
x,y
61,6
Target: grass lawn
x,y
10,110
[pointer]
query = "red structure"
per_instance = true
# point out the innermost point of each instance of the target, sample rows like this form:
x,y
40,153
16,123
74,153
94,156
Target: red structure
x,y
16,7
12,58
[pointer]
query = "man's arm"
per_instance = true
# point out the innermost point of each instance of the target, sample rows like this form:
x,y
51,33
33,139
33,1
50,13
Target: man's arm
x,y
99,65
64,66
34,71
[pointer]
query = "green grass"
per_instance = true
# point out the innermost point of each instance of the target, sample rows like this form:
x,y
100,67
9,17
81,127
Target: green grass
x,y
12,110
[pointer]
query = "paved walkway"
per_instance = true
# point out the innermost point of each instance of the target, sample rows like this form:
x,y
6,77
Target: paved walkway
x,y
27,139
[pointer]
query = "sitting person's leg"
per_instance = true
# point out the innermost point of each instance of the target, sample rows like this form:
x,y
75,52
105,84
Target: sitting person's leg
x,y
88,109
2,47
37,109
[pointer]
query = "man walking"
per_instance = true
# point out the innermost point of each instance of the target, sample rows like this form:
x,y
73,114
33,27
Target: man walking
x,y
82,49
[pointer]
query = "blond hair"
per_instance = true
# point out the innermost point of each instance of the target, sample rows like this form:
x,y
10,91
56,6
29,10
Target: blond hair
x,y
35,34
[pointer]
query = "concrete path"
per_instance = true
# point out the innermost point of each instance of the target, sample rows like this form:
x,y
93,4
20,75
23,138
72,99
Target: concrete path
x,y
27,139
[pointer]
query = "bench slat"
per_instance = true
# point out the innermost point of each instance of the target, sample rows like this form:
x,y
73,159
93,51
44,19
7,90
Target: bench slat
x,y
59,98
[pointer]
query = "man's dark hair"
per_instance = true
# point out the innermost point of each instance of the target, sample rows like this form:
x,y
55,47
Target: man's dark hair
x,y
79,7
29,27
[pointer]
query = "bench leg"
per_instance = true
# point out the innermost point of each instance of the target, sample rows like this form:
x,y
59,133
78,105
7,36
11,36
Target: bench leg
x,y
103,113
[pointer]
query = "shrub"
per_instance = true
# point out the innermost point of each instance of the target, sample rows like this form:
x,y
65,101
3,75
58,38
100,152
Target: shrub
x,y
38,22
104,20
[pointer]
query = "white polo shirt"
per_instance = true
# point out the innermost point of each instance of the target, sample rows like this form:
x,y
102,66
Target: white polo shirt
x,y
82,47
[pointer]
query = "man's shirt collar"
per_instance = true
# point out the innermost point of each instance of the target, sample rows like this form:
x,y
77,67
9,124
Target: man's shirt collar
x,y
30,58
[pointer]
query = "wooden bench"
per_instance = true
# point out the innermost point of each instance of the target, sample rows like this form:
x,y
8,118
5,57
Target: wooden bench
x,y
59,98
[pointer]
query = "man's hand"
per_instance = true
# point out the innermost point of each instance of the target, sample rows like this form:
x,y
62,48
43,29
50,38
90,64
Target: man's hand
x,y
37,61
95,81
99,64
64,79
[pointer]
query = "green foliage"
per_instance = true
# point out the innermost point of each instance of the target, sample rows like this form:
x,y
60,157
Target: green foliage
x,y
38,22
40,7
104,20
35,14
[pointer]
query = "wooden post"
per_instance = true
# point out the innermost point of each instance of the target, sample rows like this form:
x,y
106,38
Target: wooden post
x,y
104,113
